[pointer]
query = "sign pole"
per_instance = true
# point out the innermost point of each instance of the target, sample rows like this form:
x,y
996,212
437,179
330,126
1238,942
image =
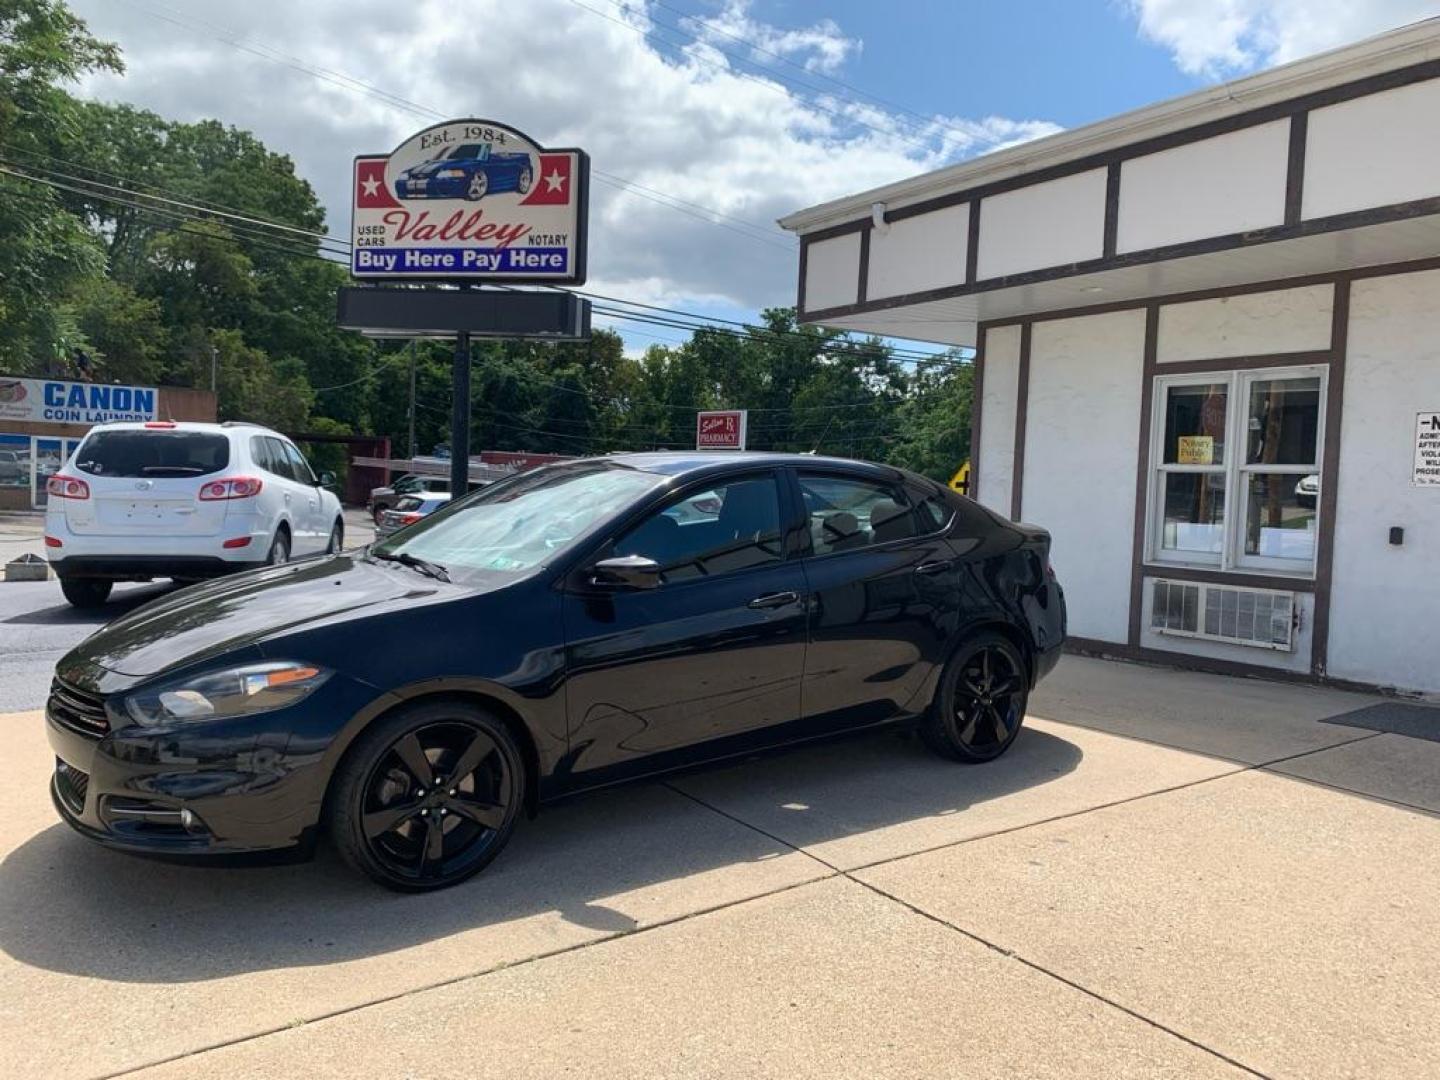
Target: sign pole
x,y
460,417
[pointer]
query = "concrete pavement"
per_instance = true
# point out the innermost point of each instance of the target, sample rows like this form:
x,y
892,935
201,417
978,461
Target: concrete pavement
x,y
1095,903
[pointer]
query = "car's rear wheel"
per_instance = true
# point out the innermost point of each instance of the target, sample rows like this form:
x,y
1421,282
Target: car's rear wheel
x,y
86,592
428,796
980,704
279,549
524,180
479,184
337,538
378,514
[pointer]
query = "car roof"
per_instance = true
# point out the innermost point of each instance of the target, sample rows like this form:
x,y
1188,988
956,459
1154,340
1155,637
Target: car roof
x,y
186,425
685,463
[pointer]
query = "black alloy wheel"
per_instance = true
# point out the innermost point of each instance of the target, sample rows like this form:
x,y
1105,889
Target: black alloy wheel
x,y
981,701
428,797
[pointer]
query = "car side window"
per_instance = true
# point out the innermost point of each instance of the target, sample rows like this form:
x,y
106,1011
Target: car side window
x,y
260,453
846,513
932,512
731,526
272,458
299,467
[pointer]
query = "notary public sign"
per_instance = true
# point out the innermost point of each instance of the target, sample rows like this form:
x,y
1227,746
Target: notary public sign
x,y
721,429
471,199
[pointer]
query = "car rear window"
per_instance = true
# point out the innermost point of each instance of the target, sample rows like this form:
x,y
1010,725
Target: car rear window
x,y
153,453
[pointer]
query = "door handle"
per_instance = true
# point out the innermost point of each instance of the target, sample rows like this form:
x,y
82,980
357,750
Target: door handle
x,y
939,566
774,600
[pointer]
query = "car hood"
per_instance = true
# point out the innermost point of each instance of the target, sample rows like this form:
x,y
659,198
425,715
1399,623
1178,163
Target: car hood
x,y
430,168
231,614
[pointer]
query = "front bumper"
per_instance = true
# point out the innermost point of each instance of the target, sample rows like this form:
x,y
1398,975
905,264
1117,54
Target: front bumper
x,y
225,787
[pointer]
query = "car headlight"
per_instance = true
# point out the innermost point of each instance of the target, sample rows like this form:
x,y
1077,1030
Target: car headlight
x,y
450,174
217,695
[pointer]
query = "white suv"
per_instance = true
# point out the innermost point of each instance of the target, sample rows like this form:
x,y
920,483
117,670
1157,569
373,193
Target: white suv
x,y
185,501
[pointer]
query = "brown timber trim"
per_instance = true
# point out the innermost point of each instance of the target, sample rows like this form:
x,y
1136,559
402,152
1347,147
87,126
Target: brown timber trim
x,y
1295,168
1373,84
862,286
1209,245
1111,650
800,286
972,244
1112,210
1330,476
1022,409
1223,577
1246,363
977,412
1323,277
1142,472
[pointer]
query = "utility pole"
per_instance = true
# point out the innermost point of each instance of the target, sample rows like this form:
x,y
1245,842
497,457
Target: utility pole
x,y
412,400
214,355
460,418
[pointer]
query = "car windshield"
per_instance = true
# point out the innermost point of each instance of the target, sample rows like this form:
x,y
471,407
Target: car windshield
x,y
469,152
153,453
523,522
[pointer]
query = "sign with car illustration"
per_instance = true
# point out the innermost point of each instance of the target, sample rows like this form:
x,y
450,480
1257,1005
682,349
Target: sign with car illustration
x,y
471,199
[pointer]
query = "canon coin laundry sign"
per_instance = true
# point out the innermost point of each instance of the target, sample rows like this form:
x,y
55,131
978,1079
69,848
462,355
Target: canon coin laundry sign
x,y
471,199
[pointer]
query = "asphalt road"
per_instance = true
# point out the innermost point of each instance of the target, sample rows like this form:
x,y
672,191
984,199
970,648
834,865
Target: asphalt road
x,y
37,626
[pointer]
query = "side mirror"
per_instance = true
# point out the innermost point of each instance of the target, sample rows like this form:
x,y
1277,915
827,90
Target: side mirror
x,y
627,571
327,479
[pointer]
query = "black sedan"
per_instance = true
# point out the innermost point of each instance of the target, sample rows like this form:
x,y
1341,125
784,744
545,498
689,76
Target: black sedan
x,y
569,627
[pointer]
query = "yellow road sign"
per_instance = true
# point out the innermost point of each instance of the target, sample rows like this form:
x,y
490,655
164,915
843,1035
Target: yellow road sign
x,y
961,480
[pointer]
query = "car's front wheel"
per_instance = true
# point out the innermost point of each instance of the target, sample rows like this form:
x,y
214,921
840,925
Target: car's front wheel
x,y
86,592
479,184
428,796
981,701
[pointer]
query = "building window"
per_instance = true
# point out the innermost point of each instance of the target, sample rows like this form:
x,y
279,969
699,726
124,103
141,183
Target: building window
x,y
1236,469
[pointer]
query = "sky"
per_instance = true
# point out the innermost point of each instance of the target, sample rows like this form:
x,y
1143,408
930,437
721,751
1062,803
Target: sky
x,y
706,120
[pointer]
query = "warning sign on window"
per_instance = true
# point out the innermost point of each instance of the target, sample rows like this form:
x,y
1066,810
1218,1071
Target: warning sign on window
x,y
1427,449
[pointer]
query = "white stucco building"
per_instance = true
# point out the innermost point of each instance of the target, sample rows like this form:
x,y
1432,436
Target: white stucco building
x,y
1208,357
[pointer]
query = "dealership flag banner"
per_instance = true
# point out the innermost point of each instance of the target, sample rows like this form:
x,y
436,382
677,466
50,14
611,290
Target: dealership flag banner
x,y
471,199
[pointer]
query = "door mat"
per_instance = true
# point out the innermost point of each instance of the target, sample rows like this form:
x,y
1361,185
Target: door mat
x,y
1416,721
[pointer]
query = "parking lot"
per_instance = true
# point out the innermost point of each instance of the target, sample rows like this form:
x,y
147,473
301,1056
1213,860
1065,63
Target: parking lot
x,y
1169,874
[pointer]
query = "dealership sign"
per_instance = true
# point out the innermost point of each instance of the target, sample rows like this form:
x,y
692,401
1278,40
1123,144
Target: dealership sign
x,y
471,199
59,402
722,429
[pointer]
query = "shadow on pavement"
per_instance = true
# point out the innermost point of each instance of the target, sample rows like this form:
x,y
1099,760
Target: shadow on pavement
x,y
122,602
72,907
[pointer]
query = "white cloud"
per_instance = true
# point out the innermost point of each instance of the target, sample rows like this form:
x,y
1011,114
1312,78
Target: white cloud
x,y
685,121
1220,38
821,47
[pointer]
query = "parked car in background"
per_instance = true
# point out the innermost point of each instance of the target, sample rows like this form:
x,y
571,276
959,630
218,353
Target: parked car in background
x,y
559,630
469,171
14,468
410,509
385,498
185,501
1307,491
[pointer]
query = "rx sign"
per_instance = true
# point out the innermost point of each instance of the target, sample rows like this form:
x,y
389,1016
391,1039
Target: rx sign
x,y
720,430
471,199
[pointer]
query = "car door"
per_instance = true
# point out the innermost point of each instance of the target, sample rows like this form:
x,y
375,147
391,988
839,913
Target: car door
x,y
280,475
712,656
309,498
884,590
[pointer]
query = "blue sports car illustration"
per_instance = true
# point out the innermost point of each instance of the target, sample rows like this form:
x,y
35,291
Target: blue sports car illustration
x,y
469,171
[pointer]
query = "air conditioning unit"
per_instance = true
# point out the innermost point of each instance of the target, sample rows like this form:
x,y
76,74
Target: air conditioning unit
x,y
1262,618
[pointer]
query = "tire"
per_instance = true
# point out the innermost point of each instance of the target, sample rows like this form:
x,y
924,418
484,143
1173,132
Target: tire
x,y
390,803
86,592
523,181
337,538
279,552
980,703
477,188
377,515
